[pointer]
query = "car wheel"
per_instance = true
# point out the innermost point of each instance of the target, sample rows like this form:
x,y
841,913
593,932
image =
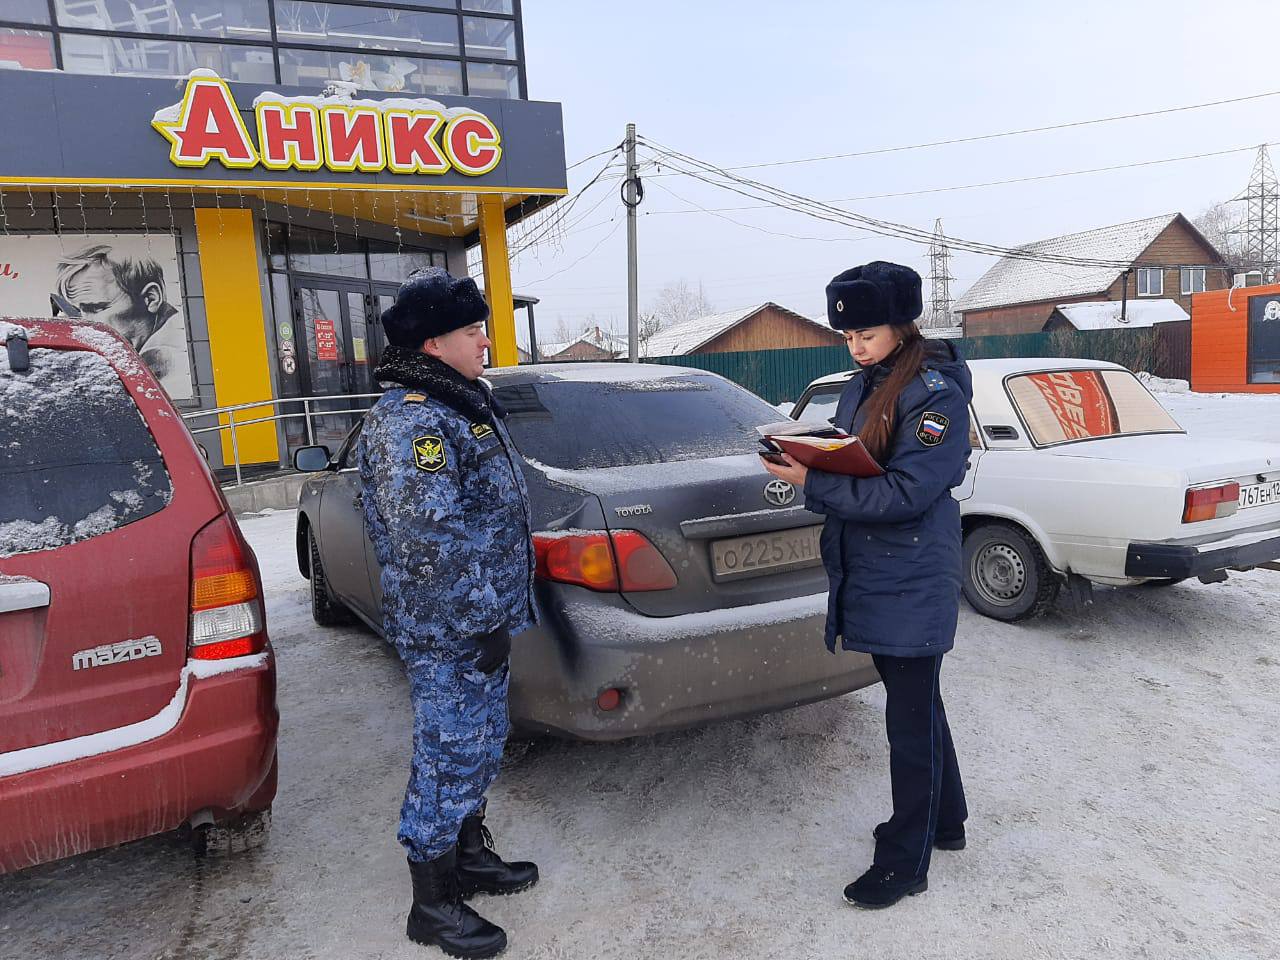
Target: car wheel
x,y
325,610
1005,574
227,839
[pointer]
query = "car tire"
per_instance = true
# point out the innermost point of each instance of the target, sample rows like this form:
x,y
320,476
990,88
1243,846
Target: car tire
x,y
325,609
246,832
1006,576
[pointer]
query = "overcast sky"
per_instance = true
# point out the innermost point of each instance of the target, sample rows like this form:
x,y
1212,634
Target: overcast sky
x,y
753,82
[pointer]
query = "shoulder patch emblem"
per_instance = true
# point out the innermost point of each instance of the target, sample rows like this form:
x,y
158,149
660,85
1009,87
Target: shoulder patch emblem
x,y
481,430
414,397
933,427
428,454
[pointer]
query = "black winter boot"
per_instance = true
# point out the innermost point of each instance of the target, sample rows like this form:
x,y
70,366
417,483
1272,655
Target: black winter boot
x,y
481,870
439,918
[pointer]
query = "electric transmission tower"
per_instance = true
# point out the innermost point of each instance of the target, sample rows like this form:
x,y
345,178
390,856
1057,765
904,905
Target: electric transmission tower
x,y
1261,229
940,275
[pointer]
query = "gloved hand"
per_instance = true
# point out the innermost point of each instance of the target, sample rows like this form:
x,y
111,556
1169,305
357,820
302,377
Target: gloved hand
x,y
494,649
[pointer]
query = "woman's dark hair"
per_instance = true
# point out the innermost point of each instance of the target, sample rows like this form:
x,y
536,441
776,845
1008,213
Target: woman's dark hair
x,y
882,407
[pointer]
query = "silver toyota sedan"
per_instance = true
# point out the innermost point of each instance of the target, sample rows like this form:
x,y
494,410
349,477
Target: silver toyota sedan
x,y
679,583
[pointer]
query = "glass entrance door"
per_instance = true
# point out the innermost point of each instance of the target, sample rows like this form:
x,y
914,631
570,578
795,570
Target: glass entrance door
x,y
332,322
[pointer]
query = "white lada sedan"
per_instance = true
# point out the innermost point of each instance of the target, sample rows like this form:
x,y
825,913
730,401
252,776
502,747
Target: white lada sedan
x,y
1079,476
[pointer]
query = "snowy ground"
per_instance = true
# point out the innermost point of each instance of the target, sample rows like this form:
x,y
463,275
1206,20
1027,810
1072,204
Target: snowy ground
x,y
1121,763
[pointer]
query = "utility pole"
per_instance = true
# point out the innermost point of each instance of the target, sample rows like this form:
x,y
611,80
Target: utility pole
x,y
632,194
940,274
1262,221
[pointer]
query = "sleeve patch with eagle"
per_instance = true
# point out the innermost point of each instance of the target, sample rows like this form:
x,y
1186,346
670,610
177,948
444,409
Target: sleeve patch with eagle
x,y
428,454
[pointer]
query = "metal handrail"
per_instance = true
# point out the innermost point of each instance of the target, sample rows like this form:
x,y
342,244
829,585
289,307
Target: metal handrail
x,y
307,413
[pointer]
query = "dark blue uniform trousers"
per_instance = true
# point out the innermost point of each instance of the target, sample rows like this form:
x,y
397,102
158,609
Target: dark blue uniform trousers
x,y
928,797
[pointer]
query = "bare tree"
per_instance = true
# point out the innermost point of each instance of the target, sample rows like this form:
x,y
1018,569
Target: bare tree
x,y
1222,225
675,303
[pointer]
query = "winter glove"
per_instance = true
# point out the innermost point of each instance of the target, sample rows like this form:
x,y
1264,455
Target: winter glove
x,y
494,649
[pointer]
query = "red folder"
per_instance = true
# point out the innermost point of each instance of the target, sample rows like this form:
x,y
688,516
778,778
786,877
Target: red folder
x,y
845,455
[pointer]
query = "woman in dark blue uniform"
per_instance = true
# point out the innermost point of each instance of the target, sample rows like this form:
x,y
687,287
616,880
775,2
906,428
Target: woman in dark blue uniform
x,y
891,548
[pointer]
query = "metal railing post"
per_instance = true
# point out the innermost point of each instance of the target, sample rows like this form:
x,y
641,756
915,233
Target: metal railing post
x,y
235,446
311,434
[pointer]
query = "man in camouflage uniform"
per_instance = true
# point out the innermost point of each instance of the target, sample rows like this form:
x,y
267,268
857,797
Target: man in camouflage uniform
x,y
447,510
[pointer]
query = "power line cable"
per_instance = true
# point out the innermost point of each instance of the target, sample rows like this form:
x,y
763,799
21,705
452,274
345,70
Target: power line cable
x,y
1008,133
756,190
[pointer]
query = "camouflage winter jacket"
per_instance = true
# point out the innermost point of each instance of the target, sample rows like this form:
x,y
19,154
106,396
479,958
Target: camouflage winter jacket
x,y
447,511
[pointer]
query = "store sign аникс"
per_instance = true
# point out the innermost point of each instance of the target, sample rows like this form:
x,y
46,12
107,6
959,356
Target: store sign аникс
x,y
337,133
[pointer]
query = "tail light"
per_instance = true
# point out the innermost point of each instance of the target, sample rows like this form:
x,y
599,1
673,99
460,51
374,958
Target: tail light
x,y
604,561
226,596
1211,503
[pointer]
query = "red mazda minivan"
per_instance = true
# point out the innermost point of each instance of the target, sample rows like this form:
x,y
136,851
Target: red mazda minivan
x,y
137,684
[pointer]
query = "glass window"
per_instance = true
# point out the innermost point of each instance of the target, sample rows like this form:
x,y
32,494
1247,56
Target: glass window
x,y
1150,282
1192,280
25,11
1264,339
387,73
822,405
388,263
486,37
120,56
488,6
244,19
340,25
493,80
318,251
649,420
78,460
1065,405
25,49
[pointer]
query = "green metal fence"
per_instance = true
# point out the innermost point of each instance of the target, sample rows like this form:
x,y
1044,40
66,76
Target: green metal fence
x,y
779,375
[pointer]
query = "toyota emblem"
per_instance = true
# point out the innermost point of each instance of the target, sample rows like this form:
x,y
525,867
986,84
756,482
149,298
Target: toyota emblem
x,y
779,492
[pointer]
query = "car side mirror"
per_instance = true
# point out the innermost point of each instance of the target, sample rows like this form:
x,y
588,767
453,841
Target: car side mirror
x,y
311,459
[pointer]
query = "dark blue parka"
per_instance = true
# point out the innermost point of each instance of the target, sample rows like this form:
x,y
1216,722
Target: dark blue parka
x,y
891,544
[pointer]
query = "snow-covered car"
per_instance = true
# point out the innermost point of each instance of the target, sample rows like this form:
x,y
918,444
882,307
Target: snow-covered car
x,y
1079,476
137,681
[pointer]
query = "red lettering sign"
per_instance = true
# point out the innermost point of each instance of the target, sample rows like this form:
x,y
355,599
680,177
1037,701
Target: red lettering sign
x,y
326,340
208,127
353,139
289,136
411,145
472,142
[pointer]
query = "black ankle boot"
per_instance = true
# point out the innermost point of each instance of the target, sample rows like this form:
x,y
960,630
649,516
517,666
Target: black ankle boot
x,y
439,918
481,870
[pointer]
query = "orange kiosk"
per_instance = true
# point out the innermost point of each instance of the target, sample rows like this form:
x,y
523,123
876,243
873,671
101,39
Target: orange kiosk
x,y
1235,340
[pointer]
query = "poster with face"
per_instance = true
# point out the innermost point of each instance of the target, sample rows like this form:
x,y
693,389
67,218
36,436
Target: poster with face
x,y
129,282
1264,339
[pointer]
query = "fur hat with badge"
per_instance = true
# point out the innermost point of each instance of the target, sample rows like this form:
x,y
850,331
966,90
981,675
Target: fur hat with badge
x,y
431,303
873,294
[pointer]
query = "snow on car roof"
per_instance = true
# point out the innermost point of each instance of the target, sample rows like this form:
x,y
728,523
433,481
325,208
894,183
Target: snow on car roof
x,y
627,373
1000,368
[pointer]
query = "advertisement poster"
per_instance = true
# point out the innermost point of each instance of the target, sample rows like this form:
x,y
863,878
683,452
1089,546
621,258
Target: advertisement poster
x,y
1264,339
129,282
1079,403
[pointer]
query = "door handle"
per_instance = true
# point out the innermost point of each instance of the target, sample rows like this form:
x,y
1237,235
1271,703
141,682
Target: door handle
x,y
23,595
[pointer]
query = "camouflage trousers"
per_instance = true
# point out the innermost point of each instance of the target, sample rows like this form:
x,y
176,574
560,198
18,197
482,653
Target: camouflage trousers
x,y
460,726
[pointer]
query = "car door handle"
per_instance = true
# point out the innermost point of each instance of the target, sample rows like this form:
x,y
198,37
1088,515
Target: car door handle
x,y
23,595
